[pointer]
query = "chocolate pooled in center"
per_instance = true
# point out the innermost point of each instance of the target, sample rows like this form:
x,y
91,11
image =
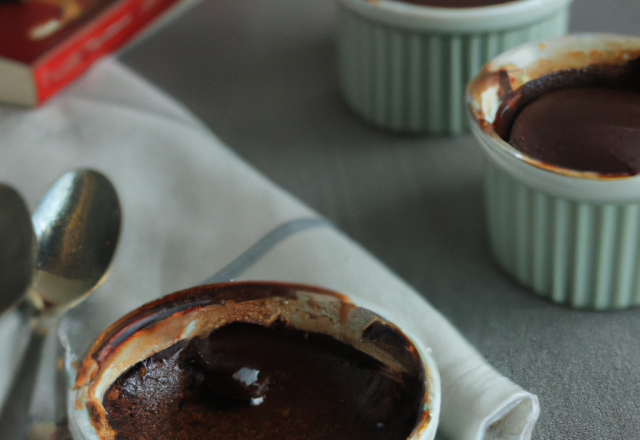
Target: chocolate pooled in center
x,y
251,382
580,119
589,129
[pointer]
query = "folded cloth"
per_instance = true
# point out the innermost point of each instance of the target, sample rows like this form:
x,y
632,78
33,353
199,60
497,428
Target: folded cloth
x,y
192,208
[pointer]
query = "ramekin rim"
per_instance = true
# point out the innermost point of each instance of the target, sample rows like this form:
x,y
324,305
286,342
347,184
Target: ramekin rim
x,y
401,8
425,428
500,146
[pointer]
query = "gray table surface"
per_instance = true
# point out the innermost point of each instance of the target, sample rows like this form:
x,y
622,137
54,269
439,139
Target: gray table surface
x,y
262,75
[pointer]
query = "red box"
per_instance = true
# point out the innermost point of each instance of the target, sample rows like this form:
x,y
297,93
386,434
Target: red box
x,y
45,44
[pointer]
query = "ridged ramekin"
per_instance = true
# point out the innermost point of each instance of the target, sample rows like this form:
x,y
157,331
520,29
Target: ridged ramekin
x,y
404,67
196,312
571,236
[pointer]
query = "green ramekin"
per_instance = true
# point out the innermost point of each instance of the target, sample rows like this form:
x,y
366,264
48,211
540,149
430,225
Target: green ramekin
x,y
570,236
404,67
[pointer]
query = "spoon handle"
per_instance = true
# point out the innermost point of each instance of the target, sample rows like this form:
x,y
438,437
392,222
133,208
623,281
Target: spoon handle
x,y
15,415
15,329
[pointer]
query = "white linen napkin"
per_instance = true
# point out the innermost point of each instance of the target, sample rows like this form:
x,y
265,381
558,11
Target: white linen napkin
x,y
192,208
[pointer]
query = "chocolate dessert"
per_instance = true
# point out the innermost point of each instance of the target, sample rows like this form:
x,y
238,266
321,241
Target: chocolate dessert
x,y
457,3
580,119
246,381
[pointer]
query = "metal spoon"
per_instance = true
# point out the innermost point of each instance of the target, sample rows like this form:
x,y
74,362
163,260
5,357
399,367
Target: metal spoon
x,y
17,247
77,225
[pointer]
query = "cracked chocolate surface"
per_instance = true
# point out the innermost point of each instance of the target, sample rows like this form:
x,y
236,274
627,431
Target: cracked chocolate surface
x,y
248,381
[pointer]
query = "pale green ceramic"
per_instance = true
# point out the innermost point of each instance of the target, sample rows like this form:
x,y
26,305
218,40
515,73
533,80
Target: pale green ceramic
x,y
571,236
580,253
405,67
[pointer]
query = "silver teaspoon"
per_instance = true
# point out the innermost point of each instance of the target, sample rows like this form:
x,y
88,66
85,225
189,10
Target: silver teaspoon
x,y
17,246
77,225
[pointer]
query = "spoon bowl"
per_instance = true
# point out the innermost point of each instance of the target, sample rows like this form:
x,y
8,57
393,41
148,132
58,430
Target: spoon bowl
x,y
17,249
77,225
